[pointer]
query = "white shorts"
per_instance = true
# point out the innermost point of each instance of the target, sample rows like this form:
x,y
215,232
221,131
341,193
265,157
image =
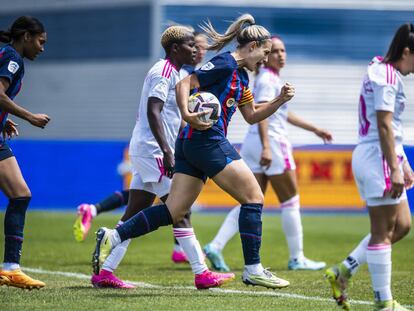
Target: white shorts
x,y
372,174
148,175
282,156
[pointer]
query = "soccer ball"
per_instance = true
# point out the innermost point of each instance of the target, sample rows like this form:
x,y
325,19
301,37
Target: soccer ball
x,y
204,101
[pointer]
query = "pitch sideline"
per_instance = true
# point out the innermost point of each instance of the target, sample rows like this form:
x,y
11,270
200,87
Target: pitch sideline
x,y
217,290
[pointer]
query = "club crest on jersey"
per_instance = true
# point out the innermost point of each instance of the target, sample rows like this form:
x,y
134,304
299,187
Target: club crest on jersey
x,y
207,66
13,67
230,102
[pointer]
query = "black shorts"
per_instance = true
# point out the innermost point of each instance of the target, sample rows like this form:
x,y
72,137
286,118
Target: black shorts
x,y
203,158
5,151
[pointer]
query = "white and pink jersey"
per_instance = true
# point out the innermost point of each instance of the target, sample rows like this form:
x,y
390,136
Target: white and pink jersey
x,y
382,90
160,83
267,86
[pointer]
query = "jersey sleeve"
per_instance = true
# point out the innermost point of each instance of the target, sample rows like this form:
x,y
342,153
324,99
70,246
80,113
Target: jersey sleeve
x,y
216,69
159,87
383,82
263,90
9,67
246,98
384,97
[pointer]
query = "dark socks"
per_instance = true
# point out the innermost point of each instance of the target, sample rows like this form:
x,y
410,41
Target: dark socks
x,y
13,228
150,219
114,201
250,227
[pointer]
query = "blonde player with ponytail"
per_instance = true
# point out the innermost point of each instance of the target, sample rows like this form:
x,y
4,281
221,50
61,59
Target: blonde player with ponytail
x,y
203,151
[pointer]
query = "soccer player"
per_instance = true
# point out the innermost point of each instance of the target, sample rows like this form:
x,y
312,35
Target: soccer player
x,y
87,212
202,150
151,152
272,163
382,172
25,39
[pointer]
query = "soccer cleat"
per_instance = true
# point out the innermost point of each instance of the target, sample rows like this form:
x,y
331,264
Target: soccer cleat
x,y
179,257
103,248
266,279
216,258
18,278
107,279
209,279
305,264
390,305
338,278
83,222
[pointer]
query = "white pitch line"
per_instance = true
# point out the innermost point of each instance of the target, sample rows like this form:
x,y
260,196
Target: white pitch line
x,y
217,290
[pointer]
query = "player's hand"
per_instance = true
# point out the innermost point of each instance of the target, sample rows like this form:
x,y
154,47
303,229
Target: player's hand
x,y
408,175
325,135
287,92
397,184
193,118
39,120
10,130
169,163
266,158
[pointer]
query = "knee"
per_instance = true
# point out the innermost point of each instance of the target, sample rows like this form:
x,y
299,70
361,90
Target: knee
x,y
23,192
254,197
177,217
403,230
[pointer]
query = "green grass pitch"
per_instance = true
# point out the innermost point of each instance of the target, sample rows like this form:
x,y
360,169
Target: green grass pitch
x,y
50,246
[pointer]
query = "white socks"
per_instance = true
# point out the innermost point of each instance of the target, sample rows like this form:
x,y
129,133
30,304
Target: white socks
x,y
358,256
292,227
379,265
227,230
117,254
192,249
256,269
10,266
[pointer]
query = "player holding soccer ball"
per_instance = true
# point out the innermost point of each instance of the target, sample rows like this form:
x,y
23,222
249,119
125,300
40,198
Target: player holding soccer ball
x,y
87,212
274,163
151,152
381,171
203,150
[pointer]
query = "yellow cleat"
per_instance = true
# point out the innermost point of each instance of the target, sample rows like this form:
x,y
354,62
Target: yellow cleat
x,y
17,278
338,278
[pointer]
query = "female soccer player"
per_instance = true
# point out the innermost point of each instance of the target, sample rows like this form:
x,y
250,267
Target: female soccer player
x,y
25,39
151,153
381,171
202,149
87,212
274,163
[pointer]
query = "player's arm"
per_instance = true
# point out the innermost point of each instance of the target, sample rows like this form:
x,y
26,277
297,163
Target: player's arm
x,y
386,135
299,122
255,113
6,104
182,90
155,106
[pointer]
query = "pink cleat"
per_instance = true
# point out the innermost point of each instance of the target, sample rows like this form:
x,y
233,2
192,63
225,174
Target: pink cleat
x,y
209,279
83,222
179,257
106,279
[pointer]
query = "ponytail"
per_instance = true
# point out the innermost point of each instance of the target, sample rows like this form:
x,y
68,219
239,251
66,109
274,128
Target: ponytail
x,y
404,37
243,29
20,26
5,36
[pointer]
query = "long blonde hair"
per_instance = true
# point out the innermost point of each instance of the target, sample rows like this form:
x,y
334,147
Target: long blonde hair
x,y
238,29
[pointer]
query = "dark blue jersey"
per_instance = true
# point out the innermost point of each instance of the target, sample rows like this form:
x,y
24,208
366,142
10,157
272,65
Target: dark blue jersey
x,y
11,69
221,77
